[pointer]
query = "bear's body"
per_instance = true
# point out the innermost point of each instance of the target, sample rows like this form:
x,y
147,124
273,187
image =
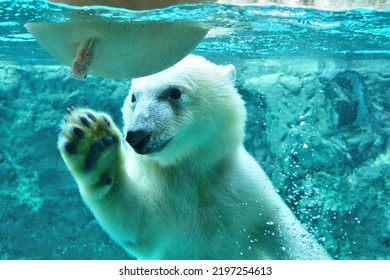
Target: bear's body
x,y
187,189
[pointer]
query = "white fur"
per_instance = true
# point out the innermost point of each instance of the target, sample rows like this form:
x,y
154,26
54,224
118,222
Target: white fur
x,y
202,196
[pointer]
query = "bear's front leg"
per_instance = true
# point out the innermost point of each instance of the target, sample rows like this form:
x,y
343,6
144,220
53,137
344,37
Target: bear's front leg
x,y
91,146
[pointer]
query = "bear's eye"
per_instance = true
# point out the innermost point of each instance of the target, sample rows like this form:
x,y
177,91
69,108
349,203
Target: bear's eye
x,y
133,98
174,93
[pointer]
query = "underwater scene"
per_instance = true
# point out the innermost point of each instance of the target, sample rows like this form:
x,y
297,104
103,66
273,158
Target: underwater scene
x,y
316,86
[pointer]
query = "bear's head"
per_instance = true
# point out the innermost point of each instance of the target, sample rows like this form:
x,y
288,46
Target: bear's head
x,y
188,111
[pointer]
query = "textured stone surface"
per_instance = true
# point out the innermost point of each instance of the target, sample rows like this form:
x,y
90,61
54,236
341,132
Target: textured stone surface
x,y
320,129
42,214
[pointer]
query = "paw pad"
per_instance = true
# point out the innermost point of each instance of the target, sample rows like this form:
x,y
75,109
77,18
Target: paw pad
x,y
87,135
91,116
85,122
78,132
96,150
70,147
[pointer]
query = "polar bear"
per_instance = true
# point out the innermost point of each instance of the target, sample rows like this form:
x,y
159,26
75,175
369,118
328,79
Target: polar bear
x,y
181,185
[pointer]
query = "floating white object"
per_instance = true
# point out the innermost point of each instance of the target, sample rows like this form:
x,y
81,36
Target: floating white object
x,y
112,49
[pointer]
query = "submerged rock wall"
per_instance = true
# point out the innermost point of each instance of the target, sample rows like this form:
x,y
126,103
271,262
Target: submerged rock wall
x,y
320,129
42,214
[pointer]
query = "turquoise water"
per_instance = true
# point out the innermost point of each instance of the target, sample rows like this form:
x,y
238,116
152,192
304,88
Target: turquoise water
x,y
249,32
316,84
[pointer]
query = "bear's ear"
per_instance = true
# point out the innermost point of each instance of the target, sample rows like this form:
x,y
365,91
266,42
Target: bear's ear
x,y
230,72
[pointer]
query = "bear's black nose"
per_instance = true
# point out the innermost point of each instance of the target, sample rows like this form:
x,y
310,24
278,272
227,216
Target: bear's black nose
x,y
138,139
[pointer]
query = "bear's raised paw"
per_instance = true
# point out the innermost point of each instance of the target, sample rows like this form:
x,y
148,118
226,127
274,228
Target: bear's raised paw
x,y
88,140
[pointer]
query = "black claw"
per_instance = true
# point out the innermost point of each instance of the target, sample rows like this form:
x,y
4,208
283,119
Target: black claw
x,y
78,132
70,109
66,119
94,153
91,116
85,122
70,147
106,121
